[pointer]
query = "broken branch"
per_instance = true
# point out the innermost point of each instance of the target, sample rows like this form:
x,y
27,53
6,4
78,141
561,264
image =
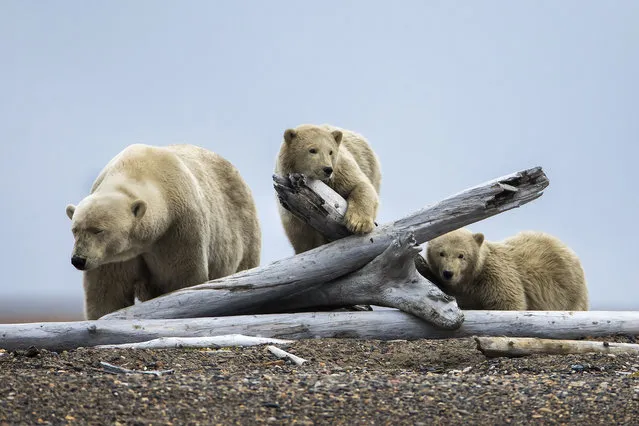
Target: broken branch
x,y
110,368
283,354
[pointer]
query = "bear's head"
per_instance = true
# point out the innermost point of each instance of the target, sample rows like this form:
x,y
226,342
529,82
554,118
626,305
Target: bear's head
x,y
102,226
311,150
455,257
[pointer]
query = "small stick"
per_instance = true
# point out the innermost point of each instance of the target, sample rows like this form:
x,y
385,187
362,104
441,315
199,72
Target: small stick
x,y
283,354
225,340
515,347
110,368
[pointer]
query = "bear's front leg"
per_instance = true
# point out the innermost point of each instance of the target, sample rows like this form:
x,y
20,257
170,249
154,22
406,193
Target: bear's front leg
x,y
184,263
110,287
362,209
188,275
505,297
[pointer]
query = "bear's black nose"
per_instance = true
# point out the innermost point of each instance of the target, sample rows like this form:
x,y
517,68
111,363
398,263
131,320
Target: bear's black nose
x,y
447,275
79,262
328,170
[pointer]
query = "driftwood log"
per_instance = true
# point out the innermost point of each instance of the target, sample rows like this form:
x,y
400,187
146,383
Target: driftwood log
x,y
257,289
387,324
198,342
523,346
389,280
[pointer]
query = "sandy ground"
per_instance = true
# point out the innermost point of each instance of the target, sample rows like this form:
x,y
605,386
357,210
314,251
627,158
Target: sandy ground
x,y
345,382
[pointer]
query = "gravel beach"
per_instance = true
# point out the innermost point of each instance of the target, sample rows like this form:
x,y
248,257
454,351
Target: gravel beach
x,y
345,381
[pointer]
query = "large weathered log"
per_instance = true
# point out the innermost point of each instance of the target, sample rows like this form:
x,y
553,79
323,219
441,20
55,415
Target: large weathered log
x,y
318,205
523,346
246,291
389,280
384,325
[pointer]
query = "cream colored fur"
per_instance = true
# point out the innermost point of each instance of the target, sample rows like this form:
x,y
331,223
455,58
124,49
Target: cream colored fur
x,y
159,219
356,176
529,271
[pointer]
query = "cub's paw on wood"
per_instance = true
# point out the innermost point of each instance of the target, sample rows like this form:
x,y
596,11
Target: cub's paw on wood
x,y
358,223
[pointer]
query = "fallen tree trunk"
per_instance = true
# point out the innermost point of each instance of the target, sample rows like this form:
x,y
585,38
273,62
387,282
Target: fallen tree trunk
x,y
383,325
247,291
523,346
389,280
318,205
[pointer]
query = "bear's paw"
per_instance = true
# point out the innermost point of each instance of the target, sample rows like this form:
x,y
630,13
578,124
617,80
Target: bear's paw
x,y
358,223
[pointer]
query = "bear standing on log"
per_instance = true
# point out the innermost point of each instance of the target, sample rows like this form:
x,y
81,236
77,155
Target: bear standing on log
x,y
345,162
159,219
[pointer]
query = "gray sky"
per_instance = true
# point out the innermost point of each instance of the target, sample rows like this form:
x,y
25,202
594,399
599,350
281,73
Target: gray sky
x,y
449,93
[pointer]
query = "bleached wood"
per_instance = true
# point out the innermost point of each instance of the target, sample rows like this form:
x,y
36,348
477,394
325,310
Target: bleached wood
x,y
389,280
116,369
523,346
199,342
246,291
283,354
385,324
313,202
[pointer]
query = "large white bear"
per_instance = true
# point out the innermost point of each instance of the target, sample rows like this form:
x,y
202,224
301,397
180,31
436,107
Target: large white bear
x,y
159,219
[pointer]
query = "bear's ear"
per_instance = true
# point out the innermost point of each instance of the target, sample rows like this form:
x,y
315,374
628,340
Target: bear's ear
x,y
70,211
479,238
337,135
138,208
289,135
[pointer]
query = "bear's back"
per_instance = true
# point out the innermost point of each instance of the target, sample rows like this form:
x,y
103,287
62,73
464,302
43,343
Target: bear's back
x,y
210,169
550,271
218,176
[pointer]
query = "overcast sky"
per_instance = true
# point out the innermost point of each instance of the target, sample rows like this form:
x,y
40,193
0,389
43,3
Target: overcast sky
x,y
449,93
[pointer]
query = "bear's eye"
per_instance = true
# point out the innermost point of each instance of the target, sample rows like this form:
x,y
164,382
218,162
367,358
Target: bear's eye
x,y
330,153
95,231
461,256
312,151
442,254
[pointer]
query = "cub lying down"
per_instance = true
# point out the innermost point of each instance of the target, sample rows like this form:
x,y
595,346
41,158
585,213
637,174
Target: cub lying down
x,y
530,271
